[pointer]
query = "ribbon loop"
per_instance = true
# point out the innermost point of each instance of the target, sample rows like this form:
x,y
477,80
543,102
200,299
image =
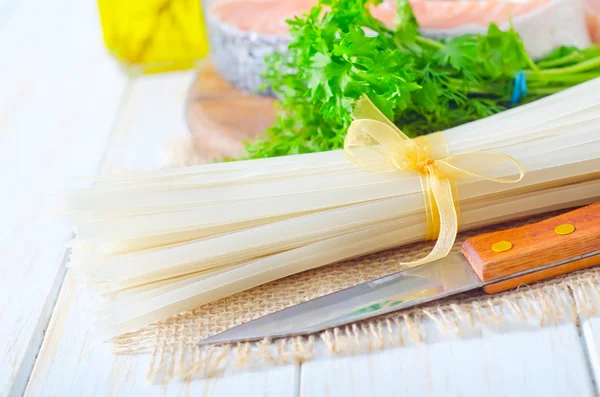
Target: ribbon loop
x,y
377,145
472,165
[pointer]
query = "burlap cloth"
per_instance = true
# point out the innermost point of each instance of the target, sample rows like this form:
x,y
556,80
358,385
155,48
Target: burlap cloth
x,y
174,342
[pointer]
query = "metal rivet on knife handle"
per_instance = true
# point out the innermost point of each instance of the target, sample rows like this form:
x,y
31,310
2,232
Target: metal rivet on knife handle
x,y
501,246
565,228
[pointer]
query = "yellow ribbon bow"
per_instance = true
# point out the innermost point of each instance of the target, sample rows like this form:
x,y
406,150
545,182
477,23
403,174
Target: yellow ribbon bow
x,y
372,136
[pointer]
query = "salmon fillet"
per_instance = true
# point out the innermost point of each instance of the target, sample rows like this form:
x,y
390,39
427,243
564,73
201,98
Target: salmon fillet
x,y
269,16
261,16
593,19
450,14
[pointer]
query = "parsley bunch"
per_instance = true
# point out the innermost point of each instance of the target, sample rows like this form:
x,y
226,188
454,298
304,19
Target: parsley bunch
x,y
340,51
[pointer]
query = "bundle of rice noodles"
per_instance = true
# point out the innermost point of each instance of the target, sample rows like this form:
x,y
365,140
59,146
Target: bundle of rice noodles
x,y
159,242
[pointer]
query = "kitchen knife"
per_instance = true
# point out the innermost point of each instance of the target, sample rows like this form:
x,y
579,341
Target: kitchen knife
x,y
496,262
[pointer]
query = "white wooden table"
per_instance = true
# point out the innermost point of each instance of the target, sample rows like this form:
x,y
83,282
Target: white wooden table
x,y
67,110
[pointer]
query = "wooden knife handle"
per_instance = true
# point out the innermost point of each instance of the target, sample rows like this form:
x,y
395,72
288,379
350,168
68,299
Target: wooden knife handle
x,y
499,254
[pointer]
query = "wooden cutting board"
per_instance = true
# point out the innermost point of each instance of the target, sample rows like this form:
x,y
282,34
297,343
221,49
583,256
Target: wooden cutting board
x,y
221,118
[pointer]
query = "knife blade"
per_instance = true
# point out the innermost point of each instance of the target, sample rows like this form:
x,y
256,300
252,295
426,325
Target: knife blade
x,y
494,261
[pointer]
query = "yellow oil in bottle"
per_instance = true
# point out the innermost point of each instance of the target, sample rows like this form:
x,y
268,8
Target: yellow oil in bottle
x,y
154,35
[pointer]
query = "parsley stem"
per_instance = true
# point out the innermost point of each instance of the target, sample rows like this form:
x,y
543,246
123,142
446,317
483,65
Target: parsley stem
x,y
378,26
473,88
467,88
580,67
564,78
530,62
564,60
429,43
546,90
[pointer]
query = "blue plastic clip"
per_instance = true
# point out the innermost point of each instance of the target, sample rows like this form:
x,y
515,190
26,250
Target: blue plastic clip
x,y
519,88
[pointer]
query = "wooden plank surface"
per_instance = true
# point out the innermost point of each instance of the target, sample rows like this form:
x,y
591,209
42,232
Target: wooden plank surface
x,y
589,319
72,361
7,8
591,332
51,128
547,361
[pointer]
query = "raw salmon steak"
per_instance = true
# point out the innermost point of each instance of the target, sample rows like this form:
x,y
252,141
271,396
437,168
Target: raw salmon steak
x,y
269,16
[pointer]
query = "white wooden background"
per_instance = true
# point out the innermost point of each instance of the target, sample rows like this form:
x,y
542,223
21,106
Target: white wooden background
x,y
66,110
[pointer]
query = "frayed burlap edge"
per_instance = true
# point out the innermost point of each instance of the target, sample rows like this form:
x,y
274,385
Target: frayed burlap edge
x,y
561,300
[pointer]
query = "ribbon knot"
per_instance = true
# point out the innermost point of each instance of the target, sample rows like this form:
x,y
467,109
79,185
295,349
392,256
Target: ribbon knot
x,y
425,166
377,145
